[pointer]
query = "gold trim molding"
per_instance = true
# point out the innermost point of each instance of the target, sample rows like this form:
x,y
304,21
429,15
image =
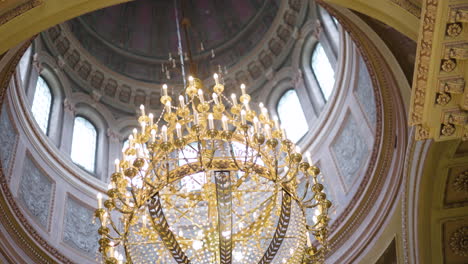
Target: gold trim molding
x,y
9,15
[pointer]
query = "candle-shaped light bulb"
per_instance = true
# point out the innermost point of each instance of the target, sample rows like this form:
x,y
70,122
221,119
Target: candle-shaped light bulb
x,y
234,99
164,88
309,158
215,76
242,86
168,107
143,127
153,135
255,121
267,131
142,108
164,133
182,101
151,117
276,121
144,220
200,95
117,165
178,130
261,105
196,121
99,200
224,122
135,133
215,98
210,121
243,113
111,249
190,79
247,106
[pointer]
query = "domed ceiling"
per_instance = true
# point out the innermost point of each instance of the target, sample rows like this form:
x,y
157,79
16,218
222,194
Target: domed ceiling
x,y
135,39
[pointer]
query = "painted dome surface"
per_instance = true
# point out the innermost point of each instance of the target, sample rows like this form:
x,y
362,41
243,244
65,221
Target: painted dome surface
x,y
135,38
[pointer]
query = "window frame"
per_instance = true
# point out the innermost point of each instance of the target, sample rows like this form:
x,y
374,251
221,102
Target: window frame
x,y
314,50
96,148
52,101
282,94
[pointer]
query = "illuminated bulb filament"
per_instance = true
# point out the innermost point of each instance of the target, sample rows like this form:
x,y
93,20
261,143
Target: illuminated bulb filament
x,y
151,117
215,98
168,107
200,95
234,99
164,88
243,89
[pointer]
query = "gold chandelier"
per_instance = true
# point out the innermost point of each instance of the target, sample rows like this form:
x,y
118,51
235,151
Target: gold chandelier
x,y
212,181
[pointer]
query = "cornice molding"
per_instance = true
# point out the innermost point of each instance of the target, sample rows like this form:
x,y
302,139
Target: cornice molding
x,y
9,15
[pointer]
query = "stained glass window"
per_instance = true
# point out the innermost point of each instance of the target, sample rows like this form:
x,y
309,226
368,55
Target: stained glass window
x,y
323,71
42,103
84,144
292,116
24,64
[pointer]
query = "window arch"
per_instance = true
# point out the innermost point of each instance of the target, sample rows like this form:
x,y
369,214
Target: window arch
x,y
84,144
323,71
42,104
24,65
292,115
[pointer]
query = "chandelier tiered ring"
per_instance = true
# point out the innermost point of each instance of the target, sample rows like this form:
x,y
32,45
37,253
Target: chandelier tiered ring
x,y
212,181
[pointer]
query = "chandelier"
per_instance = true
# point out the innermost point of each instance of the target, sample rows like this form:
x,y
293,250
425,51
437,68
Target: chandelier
x,y
212,181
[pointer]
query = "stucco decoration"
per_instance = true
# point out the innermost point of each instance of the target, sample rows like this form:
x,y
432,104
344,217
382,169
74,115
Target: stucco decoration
x,y
350,150
365,93
79,230
35,191
461,182
458,241
7,139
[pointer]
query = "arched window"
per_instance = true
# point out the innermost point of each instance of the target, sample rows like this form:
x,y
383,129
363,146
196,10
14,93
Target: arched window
x,y
24,64
292,116
84,143
42,103
323,71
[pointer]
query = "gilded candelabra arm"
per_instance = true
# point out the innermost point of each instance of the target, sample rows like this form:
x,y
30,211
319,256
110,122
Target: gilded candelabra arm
x,y
233,157
211,156
114,228
306,189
